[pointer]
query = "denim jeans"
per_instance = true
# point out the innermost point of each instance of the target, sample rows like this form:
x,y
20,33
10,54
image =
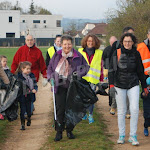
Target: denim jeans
x,y
121,96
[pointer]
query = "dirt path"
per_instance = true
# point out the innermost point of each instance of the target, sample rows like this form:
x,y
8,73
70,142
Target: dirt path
x,y
111,121
35,135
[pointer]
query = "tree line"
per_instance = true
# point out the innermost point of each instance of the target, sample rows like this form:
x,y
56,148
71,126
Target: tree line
x,y
33,9
134,13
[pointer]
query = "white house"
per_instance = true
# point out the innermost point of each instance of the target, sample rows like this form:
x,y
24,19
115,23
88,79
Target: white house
x,y
14,24
10,23
41,26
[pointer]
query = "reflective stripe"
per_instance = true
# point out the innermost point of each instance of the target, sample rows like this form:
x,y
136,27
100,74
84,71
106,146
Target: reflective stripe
x,y
93,76
146,60
146,69
95,70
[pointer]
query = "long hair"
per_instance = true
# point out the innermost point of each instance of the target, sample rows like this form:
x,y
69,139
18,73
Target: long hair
x,y
23,65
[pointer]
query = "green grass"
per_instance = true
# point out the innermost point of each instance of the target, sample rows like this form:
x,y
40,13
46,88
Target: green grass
x,y
88,137
3,133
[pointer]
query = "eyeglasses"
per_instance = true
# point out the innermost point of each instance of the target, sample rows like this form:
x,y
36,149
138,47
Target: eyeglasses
x,y
127,41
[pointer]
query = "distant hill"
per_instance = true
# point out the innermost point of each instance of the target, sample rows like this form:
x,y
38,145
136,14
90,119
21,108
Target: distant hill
x,y
80,23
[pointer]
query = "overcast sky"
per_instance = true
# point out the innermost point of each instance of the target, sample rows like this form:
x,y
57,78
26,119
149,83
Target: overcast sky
x,y
89,9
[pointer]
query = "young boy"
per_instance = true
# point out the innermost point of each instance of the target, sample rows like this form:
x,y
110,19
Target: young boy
x,y
3,61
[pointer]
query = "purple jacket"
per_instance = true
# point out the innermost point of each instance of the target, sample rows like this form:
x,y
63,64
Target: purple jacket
x,y
77,62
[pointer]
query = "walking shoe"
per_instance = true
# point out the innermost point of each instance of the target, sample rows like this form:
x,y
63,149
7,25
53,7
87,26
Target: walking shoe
x,y
58,136
1,117
146,133
121,140
22,125
28,121
85,117
70,135
91,120
112,111
128,116
133,140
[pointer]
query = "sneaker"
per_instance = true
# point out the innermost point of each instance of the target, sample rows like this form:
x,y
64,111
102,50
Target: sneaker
x,y
91,120
133,140
121,140
58,136
1,117
70,135
112,111
85,117
146,133
128,116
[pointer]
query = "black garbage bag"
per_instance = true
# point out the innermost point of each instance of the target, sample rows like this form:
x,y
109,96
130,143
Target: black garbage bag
x,y
8,104
101,89
79,97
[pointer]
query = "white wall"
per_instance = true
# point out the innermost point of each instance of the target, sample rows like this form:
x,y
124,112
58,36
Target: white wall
x,y
12,27
40,31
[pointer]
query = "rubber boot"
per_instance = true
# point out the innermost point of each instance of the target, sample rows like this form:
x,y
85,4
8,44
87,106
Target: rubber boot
x,y
58,136
28,121
22,125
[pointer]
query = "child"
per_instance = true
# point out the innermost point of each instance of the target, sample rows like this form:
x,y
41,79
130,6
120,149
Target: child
x,y
3,60
28,89
146,108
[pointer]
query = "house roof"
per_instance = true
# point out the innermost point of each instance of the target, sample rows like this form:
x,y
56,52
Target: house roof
x,y
100,28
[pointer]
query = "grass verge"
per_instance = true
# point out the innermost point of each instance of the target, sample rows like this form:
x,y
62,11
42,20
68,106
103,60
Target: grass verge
x,y
88,137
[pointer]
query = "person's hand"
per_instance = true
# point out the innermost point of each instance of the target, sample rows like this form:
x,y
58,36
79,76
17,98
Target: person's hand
x,y
44,82
112,92
33,91
146,91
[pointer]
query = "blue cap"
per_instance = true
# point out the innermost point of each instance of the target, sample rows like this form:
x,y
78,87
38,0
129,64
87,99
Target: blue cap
x,y
148,81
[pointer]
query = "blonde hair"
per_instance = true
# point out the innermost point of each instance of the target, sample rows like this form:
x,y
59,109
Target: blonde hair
x,y
23,65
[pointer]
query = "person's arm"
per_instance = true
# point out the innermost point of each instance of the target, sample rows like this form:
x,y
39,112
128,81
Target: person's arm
x,y
47,59
140,71
15,62
42,65
3,75
112,68
102,73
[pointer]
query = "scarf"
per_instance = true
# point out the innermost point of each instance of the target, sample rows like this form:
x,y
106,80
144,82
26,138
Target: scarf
x,y
6,67
28,81
63,65
57,48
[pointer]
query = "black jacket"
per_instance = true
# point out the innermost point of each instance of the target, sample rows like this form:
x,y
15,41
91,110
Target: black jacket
x,y
128,71
21,79
106,55
48,57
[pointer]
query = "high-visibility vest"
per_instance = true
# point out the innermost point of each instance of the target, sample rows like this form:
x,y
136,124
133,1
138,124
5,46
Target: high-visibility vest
x,y
51,51
118,54
94,72
145,55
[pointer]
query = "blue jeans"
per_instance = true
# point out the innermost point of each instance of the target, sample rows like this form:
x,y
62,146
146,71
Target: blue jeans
x,y
133,95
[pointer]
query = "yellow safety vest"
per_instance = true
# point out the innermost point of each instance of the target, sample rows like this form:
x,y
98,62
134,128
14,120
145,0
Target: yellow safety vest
x,y
51,51
94,72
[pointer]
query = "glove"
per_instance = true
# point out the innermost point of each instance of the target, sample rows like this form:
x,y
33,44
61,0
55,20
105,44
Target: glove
x,y
112,92
44,82
52,82
146,91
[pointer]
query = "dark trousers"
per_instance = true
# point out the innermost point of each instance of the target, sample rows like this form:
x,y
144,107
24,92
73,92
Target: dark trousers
x,y
60,98
146,122
25,106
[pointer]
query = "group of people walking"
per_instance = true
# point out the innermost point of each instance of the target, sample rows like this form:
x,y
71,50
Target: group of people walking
x,y
127,64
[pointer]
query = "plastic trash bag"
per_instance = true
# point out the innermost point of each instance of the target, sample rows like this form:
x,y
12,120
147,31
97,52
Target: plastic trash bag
x,y
79,97
9,103
101,89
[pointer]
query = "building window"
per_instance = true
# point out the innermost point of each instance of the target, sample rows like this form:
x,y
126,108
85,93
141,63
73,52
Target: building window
x,y
58,23
44,21
36,21
10,19
10,35
23,21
